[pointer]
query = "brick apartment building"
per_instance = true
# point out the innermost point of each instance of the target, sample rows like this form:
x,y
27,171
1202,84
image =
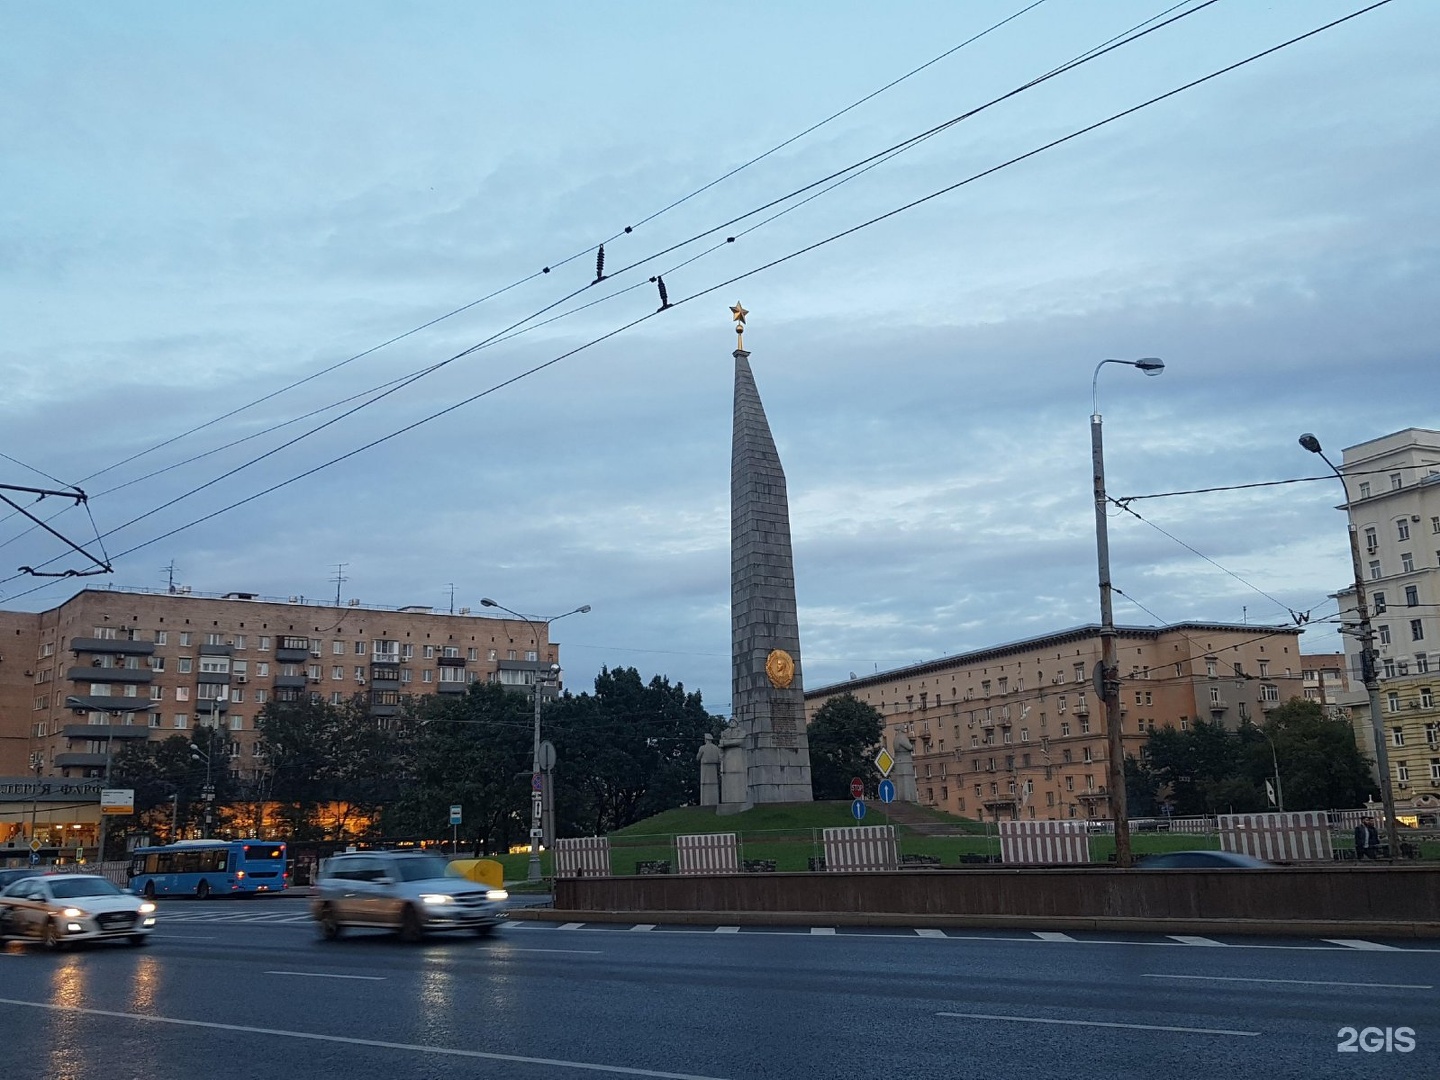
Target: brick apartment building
x,y
1017,731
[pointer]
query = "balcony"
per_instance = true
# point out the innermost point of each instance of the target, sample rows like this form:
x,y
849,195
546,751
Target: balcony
x,y
292,656
451,687
213,677
106,731
203,707
127,676
110,704
290,682
451,661
384,673
1082,710
112,648
217,650
1218,705
79,761
391,659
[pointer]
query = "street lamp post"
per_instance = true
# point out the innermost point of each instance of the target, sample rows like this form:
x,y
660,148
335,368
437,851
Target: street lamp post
x,y
208,791
537,828
1109,674
112,715
1366,638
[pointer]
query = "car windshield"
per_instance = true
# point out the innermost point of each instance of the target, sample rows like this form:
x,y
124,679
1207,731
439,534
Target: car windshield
x,y
421,868
66,888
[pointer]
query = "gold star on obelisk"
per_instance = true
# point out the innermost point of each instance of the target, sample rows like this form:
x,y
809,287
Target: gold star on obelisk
x,y
738,313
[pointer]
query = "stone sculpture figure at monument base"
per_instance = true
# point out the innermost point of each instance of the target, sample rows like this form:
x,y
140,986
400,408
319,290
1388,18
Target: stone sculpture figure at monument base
x,y
903,774
709,758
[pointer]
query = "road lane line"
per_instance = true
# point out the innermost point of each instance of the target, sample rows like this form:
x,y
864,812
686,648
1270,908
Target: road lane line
x,y
1097,1023
185,937
315,1036
1356,943
572,952
822,930
327,975
643,926
727,929
920,932
570,926
1296,982
1051,935
1191,939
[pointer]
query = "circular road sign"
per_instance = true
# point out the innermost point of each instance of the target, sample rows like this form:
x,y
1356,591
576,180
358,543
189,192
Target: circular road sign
x,y
887,791
858,809
857,788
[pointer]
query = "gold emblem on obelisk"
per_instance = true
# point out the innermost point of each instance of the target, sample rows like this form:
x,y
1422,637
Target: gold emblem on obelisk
x,y
781,668
738,313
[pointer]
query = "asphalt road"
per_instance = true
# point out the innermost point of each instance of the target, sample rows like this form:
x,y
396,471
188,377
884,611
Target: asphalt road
x,y
246,989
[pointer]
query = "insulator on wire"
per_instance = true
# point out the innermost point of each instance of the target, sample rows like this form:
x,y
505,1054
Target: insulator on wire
x,y
664,296
600,264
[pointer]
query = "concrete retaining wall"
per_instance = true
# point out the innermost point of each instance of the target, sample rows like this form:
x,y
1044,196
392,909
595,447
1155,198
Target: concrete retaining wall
x,y
1329,894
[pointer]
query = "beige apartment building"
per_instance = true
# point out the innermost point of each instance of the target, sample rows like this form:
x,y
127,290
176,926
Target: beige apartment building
x,y
1324,678
1393,488
110,666
1017,731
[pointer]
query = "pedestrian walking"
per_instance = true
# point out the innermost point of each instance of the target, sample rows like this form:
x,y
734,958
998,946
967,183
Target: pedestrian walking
x,y
1367,840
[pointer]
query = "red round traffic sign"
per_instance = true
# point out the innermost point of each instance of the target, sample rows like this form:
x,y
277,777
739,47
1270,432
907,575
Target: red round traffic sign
x,y
857,788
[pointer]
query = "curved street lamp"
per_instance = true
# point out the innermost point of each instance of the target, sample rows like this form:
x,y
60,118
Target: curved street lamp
x,y
1109,674
536,828
1366,638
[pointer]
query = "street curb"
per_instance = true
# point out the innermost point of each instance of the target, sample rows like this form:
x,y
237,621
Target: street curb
x,y
1265,927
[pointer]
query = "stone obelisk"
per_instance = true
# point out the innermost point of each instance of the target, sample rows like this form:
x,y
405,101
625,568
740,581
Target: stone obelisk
x,y
767,695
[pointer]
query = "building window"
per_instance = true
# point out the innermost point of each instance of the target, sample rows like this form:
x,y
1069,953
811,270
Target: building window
x,y
1412,596
1065,727
337,672
1388,668
474,654
1374,569
184,638
1407,563
1402,771
1377,600
1435,770
264,643
359,674
1417,630
182,720
1264,669
1365,489
1214,695
336,698
1084,725
1210,668
429,652
1372,541
407,651
337,648
1394,481
1427,700
1402,530
1269,693
1392,701
1422,663
262,696
427,676
1384,634
1397,735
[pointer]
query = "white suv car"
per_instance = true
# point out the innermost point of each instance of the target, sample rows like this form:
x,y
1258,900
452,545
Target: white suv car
x,y
410,893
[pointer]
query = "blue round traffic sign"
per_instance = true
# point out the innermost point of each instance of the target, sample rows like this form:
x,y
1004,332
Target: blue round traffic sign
x,y
858,808
887,791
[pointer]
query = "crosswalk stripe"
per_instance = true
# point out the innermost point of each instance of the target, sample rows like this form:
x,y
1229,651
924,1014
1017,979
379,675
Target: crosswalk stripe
x,y
930,933
1051,935
643,926
727,929
1190,939
822,930
1356,943
570,926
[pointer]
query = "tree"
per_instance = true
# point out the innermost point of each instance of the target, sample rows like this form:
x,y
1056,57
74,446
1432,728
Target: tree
x,y
842,736
158,770
1321,767
625,752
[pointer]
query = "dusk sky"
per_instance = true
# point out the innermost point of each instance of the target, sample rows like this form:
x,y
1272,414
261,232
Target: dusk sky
x,y
204,205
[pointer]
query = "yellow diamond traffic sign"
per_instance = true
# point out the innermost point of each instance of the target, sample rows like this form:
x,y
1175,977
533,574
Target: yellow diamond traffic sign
x,y
884,762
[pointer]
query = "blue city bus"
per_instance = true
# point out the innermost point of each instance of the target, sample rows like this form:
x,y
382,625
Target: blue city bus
x,y
202,868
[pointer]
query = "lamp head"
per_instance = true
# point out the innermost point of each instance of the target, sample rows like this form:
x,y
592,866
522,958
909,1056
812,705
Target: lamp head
x,y
485,601
1150,365
583,609
1309,442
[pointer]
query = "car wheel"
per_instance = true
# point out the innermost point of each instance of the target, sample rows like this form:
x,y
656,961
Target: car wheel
x,y
411,929
50,935
149,890
484,931
330,927
202,891
138,939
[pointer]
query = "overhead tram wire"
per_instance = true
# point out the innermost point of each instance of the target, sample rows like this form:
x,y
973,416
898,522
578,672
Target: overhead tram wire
x,y
521,325
549,267
747,274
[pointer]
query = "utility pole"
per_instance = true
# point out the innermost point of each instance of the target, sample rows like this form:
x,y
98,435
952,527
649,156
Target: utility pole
x,y
339,580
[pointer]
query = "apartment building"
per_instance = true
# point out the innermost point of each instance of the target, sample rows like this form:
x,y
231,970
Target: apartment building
x,y
1393,485
1324,678
112,665
1017,731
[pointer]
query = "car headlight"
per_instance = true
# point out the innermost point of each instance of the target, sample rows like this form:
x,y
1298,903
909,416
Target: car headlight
x,y
72,913
437,898
497,894
146,907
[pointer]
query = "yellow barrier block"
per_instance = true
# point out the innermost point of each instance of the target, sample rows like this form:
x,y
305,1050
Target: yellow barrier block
x,y
482,871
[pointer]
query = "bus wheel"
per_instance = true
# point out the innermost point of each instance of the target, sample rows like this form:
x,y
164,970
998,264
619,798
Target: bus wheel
x,y
329,925
149,890
202,891
411,928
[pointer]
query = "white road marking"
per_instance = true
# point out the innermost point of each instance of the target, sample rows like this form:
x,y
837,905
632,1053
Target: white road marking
x,y
1191,939
1356,943
643,926
1097,1023
727,929
327,975
571,926
822,930
185,937
921,932
573,952
1051,935
314,1036
1296,982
